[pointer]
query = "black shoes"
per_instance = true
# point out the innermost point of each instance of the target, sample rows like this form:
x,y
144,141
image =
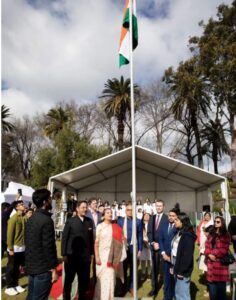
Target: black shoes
x,y
152,293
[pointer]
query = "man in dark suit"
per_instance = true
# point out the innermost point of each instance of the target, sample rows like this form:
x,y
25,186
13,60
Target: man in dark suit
x,y
126,224
77,249
166,234
154,226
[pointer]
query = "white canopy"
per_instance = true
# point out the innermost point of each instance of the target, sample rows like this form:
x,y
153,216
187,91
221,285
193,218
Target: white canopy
x,y
11,191
158,176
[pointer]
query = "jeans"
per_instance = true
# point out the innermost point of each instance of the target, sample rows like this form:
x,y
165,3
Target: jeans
x,y
217,290
39,286
182,289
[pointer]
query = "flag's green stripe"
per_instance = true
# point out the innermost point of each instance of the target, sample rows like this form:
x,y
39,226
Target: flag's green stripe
x,y
135,27
123,60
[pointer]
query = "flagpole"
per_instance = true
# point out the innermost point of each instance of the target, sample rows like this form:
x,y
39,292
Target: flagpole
x,y
133,195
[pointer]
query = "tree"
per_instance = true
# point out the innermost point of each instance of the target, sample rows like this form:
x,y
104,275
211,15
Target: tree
x,y
6,126
156,115
24,143
117,103
216,48
56,119
190,92
215,142
43,166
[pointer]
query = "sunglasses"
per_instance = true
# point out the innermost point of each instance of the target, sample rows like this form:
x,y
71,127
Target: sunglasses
x,y
217,222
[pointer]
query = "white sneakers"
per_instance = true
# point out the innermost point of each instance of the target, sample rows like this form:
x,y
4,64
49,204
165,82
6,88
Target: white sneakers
x,y
19,289
11,291
14,290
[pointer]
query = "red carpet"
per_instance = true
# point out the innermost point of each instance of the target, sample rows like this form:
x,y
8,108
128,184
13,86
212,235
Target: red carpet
x,y
56,290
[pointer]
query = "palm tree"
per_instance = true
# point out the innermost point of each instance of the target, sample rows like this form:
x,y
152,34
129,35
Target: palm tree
x,y
6,126
117,103
191,97
215,143
57,119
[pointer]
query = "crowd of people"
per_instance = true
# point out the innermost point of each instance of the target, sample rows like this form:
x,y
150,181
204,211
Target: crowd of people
x,y
97,241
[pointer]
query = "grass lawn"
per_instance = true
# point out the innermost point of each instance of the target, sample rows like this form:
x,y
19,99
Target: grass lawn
x,y
144,287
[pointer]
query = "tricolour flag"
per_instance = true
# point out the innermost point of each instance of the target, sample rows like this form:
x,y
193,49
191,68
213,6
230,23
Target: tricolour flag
x,y
124,51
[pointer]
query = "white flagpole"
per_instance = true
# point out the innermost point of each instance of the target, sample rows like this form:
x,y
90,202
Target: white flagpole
x,y
133,195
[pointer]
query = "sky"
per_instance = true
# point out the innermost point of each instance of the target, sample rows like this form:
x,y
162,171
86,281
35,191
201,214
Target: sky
x,y
62,50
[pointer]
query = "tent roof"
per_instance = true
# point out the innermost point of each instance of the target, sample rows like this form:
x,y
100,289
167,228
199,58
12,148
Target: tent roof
x,y
146,160
11,191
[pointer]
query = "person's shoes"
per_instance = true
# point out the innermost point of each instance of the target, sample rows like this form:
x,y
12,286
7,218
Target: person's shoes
x,y
11,291
152,293
19,289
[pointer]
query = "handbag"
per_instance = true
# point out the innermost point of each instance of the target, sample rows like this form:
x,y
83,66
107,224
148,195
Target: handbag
x,y
228,259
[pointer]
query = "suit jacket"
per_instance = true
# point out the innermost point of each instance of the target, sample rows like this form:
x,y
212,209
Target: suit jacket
x,y
152,232
90,216
139,232
165,237
77,238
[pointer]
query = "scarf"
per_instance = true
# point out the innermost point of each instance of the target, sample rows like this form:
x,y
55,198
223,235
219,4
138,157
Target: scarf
x,y
115,253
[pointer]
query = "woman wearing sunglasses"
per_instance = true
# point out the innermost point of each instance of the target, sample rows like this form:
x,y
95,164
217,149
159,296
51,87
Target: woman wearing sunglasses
x,y
217,246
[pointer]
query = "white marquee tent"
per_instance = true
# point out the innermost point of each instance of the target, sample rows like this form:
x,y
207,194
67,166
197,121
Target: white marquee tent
x,y
158,176
10,194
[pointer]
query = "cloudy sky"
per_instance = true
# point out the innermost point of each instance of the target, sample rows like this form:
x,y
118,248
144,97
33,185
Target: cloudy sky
x,y
54,50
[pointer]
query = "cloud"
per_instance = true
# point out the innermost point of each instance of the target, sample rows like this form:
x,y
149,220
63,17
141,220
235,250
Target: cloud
x,y
21,104
67,49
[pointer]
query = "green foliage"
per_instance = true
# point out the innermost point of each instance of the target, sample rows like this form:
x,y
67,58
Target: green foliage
x,y
117,103
5,113
68,151
204,86
191,98
57,119
43,167
86,153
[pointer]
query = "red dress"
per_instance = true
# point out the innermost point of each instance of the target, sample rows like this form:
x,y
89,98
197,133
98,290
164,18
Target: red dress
x,y
215,270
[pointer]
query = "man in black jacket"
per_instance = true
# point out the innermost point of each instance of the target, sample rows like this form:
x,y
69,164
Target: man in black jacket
x,y
77,249
40,248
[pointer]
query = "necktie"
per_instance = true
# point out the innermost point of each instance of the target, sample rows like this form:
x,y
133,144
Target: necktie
x,y
170,227
157,221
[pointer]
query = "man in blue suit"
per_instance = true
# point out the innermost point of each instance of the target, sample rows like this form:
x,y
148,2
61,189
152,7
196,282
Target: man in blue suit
x,y
93,214
154,226
166,234
126,224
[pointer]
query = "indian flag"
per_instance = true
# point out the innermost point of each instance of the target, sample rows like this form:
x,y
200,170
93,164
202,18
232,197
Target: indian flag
x,y
124,51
